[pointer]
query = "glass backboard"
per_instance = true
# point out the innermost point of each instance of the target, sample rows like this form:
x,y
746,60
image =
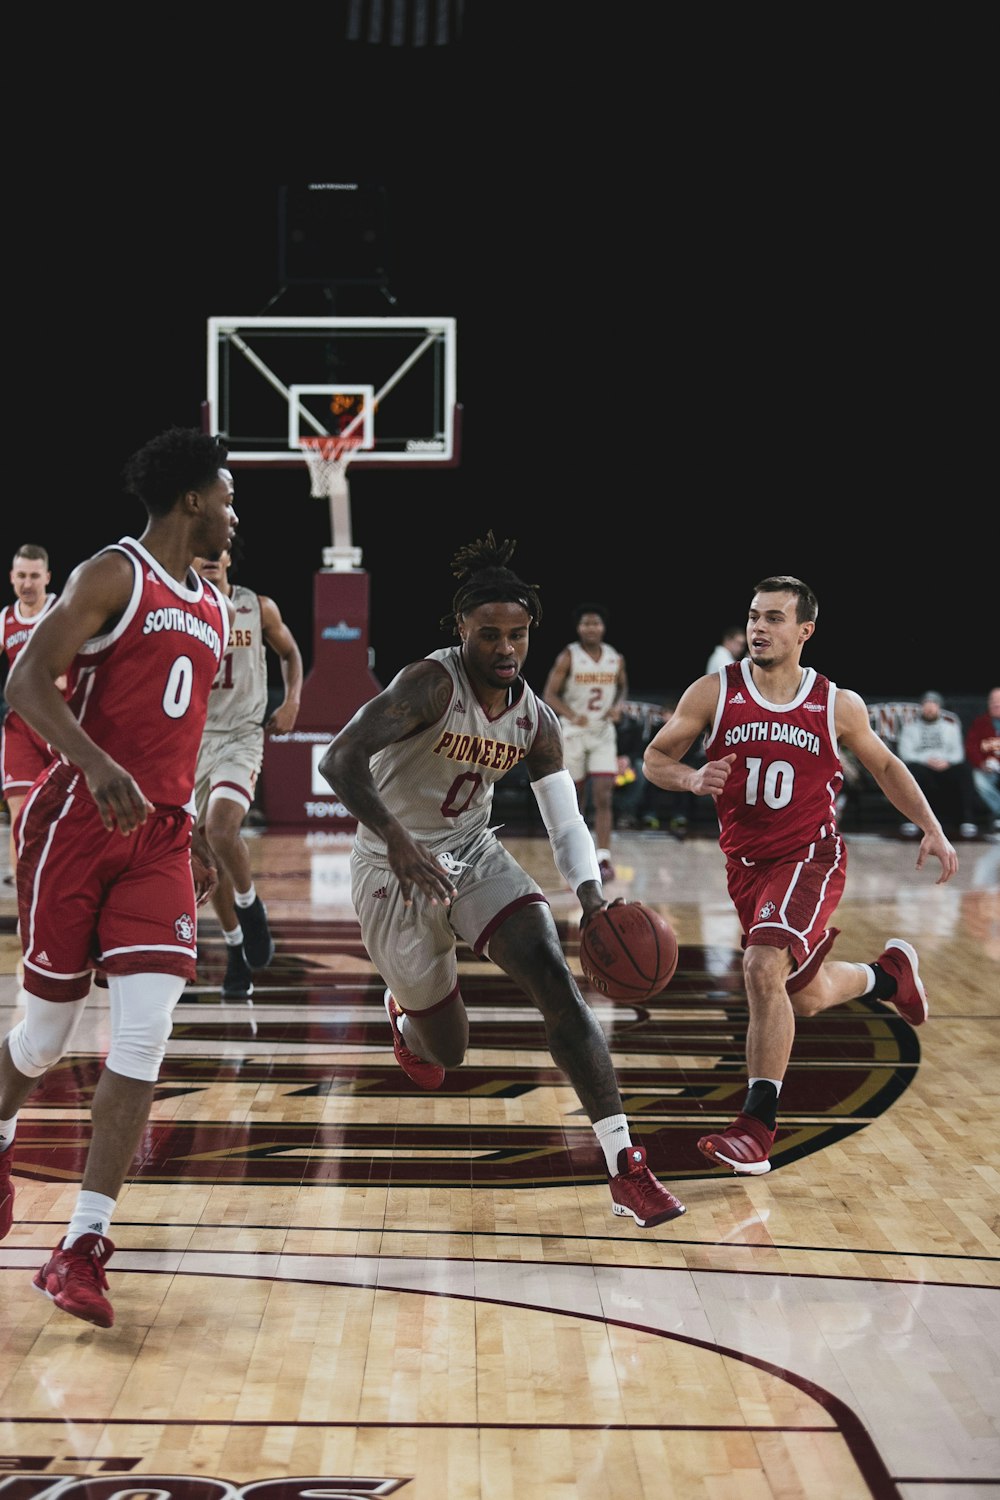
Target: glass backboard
x,y
390,381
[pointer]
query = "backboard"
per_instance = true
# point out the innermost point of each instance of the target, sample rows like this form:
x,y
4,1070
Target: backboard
x,y
391,381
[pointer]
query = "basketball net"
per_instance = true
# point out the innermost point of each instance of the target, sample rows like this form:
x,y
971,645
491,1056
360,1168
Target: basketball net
x,y
328,456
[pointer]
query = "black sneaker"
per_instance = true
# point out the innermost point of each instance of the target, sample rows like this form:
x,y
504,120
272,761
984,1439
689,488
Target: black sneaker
x,y
258,944
238,983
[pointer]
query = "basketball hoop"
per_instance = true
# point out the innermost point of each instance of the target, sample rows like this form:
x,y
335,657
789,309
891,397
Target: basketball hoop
x,y
328,457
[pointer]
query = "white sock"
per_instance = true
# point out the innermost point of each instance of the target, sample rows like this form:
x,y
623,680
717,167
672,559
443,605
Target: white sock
x,y
234,939
613,1134
870,972
7,1128
775,1081
92,1215
246,898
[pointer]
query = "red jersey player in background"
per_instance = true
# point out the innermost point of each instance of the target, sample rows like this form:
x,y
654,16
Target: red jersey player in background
x,y
105,876
24,754
772,735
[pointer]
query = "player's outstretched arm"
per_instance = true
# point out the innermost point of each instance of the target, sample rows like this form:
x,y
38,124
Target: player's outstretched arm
x,y
284,645
663,759
855,733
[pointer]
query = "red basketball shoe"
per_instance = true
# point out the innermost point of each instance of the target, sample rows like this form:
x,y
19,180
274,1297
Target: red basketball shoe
x,y
745,1145
427,1074
910,999
637,1192
74,1279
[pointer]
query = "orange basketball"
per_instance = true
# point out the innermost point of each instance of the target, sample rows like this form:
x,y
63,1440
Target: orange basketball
x,y
628,951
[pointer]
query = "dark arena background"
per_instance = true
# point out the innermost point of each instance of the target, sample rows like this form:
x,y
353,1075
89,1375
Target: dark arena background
x,y
720,293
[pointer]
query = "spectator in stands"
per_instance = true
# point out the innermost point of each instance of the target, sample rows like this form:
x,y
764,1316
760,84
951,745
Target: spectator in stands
x,y
732,647
982,751
637,802
931,748
629,793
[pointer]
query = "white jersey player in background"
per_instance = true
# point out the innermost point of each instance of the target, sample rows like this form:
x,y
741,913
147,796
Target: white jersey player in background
x,y
587,688
229,762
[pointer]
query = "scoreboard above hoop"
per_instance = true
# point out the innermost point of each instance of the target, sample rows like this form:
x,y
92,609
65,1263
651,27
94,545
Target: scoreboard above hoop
x,y
389,384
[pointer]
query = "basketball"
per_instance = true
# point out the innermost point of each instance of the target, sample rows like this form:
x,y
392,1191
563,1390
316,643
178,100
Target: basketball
x,y
628,951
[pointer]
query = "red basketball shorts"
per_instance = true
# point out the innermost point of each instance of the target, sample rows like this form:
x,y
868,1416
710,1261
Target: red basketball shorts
x,y
89,899
788,903
24,756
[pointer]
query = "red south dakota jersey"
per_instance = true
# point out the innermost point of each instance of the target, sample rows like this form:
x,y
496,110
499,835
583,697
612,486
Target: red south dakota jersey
x,y
148,712
15,628
781,792
15,632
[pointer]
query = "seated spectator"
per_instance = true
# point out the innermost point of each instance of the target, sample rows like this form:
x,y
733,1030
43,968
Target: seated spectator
x,y
636,802
850,793
931,747
627,797
982,751
631,787
732,647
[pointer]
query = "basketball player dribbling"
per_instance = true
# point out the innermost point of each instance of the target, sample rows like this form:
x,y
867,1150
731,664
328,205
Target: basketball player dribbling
x,y
229,762
773,730
417,766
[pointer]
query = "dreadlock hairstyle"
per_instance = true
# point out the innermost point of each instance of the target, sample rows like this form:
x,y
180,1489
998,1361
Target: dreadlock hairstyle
x,y
485,579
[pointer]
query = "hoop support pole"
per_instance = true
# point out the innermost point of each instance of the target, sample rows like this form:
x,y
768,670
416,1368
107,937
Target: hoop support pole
x,y
342,555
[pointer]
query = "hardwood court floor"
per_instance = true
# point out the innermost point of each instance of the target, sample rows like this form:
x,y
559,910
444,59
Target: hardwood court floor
x,y
327,1278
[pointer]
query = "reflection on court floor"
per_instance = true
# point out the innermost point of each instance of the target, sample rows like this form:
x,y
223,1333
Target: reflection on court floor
x,y
327,1279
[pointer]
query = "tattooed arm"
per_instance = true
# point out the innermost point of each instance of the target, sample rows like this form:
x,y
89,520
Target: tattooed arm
x,y
416,697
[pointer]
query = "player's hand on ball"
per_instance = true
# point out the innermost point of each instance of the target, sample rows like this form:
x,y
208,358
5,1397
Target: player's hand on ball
x,y
602,906
628,952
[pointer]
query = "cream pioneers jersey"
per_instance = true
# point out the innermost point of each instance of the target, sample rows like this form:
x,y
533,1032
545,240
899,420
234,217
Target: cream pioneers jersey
x,y
439,781
238,699
591,685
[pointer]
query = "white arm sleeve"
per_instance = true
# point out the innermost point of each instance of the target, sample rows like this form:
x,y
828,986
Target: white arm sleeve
x,y
572,846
